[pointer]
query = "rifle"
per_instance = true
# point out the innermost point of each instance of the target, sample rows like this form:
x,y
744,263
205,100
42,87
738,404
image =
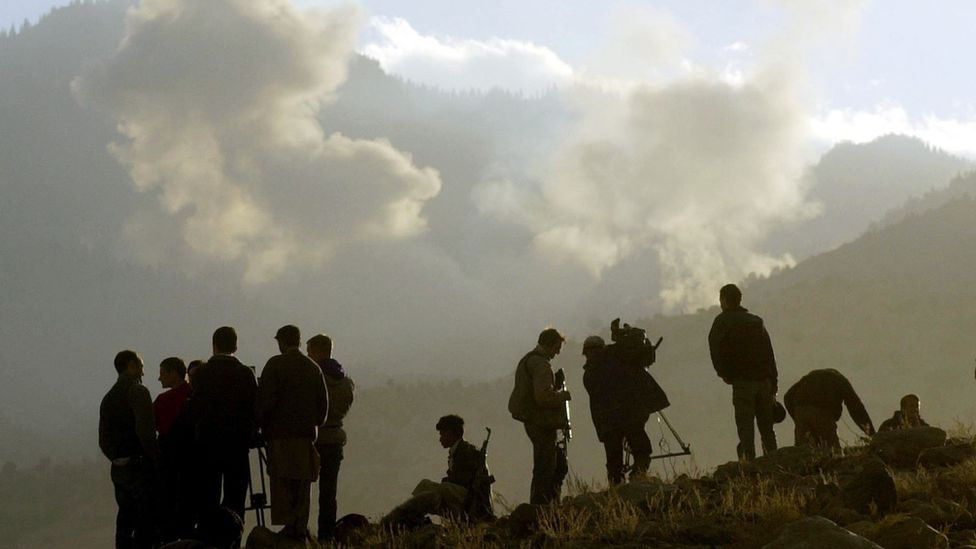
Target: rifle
x,y
567,429
478,504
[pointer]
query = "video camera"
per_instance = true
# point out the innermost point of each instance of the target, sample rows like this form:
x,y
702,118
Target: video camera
x,y
632,346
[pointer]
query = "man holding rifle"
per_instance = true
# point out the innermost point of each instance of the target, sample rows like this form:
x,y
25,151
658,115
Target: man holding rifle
x,y
541,404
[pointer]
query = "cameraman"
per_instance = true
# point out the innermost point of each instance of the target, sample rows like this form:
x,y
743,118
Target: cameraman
x,y
623,395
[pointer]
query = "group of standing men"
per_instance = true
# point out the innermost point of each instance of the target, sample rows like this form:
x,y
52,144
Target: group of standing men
x,y
623,395
742,355
181,467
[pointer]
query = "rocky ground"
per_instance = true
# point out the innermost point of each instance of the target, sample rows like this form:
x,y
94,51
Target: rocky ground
x,y
914,488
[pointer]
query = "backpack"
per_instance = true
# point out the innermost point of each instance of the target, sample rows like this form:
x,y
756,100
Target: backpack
x,y
521,402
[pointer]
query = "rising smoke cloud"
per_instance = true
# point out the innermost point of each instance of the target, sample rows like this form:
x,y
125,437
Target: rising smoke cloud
x,y
697,170
217,103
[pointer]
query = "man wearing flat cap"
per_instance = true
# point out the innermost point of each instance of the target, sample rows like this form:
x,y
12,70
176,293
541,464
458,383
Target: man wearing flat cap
x,y
292,403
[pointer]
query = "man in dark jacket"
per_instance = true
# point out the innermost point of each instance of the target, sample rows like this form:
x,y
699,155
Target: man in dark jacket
x,y
331,437
448,496
540,405
815,402
614,411
292,404
127,437
742,355
907,416
222,406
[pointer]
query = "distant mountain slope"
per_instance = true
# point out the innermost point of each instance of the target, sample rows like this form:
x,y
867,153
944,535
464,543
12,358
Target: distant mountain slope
x,y
857,184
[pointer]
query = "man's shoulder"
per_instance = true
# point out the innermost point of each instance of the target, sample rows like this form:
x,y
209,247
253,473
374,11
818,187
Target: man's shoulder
x,y
138,391
535,362
467,450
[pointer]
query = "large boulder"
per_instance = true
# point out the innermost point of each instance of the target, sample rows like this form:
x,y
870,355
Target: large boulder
x,y
818,533
871,489
902,447
944,456
910,533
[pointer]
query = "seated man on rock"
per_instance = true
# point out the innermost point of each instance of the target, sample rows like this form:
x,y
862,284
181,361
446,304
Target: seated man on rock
x,y
907,417
815,403
448,496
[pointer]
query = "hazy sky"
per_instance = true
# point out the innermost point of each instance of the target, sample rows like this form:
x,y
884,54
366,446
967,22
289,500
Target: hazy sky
x,y
899,54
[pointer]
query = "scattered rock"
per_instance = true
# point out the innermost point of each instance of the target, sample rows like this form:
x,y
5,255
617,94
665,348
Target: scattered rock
x,y
909,533
523,519
708,533
263,538
638,492
944,456
818,533
902,447
873,484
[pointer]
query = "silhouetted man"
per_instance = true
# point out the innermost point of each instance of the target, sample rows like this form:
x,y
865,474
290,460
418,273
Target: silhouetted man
x,y
176,449
742,355
536,402
815,402
223,400
448,496
614,416
127,438
332,437
907,416
292,404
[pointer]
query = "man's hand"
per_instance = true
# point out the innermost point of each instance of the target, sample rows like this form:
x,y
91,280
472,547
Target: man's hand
x,y
567,396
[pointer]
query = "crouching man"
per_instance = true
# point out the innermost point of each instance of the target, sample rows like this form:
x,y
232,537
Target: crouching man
x,y
447,497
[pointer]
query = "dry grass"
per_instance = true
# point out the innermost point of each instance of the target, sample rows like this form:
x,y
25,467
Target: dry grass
x,y
739,512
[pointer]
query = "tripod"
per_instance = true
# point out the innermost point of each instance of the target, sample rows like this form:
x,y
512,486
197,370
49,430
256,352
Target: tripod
x,y
258,500
685,448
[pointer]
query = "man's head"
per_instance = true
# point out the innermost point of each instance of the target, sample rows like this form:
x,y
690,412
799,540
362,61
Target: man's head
x,y
451,429
288,337
591,344
224,341
729,297
172,372
319,347
911,407
191,368
551,341
129,364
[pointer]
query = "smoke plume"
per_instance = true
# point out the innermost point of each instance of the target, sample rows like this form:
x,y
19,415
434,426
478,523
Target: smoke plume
x,y
217,103
696,169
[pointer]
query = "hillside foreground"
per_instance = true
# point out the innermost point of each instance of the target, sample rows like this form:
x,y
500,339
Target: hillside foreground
x,y
913,488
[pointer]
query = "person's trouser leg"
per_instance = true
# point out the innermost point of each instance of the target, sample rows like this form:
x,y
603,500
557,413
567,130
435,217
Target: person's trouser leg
x,y
765,404
125,518
136,519
209,481
237,474
640,448
331,459
613,445
744,404
815,427
544,463
826,431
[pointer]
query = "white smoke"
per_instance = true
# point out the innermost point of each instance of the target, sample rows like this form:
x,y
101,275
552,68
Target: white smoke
x,y
217,102
697,169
